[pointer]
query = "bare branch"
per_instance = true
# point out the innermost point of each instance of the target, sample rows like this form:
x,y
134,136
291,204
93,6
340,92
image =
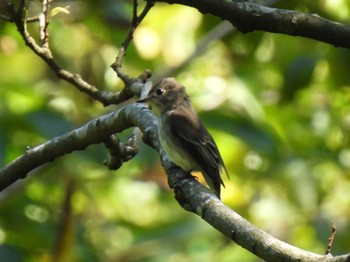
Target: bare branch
x,y
44,23
21,7
196,198
136,20
95,131
247,16
61,249
331,239
119,152
28,20
5,18
192,195
218,32
44,52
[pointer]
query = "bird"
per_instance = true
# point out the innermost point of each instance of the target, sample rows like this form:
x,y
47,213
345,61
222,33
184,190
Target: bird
x,y
182,134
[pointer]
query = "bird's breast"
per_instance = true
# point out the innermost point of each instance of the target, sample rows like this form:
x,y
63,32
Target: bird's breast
x,y
172,146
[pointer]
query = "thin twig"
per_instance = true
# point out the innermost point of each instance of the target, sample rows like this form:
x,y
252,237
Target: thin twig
x,y
44,52
120,152
18,17
65,235
5,18
331,239
21,8
32,19
28,20
117,152
44,23
136,20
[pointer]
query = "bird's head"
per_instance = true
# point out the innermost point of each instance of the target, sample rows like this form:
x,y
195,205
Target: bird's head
x,y
165,95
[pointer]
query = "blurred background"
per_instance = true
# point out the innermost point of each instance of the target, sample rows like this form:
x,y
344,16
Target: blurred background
x,y
277,106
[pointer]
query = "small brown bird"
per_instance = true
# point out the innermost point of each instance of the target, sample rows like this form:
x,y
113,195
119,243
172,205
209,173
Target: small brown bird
x,y
182,135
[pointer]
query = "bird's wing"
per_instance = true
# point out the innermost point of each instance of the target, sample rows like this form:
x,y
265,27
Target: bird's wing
x,y
201,146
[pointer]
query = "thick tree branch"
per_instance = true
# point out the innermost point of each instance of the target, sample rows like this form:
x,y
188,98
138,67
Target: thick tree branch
x,y
95,131
247,17
189,192
196,198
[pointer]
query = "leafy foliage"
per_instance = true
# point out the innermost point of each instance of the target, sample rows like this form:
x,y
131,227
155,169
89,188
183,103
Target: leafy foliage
x,y
277,106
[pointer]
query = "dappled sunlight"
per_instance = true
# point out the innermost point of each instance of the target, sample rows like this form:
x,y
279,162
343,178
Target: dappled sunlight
x,y
36,213
147,42
243,101
338,8
266,50
277,107
212,90
137,202
274,215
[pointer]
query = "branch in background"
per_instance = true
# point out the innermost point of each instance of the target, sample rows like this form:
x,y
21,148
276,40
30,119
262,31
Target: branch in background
x,y
28,20
331,239
119,153
44,52
5,18
127,93
247,16
136,20
65,231
43,24
218,32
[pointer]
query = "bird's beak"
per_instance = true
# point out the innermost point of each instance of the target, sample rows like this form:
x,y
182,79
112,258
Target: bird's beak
x,y
144,96
144,100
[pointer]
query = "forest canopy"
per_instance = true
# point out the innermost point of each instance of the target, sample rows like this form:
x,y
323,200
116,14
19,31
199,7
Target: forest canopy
x,y
277,106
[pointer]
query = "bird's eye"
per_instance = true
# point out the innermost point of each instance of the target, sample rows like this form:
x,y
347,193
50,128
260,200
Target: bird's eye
x,y
160,91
